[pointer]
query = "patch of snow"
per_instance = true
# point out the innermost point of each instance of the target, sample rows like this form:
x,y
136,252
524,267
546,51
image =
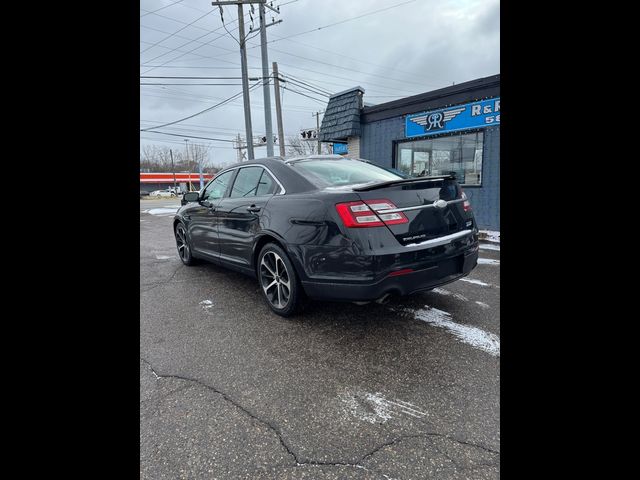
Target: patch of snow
x,y
475,282
206,305
162,211
447,293
163,257
489,246
488,261
491,235
375,407
482,304
473,336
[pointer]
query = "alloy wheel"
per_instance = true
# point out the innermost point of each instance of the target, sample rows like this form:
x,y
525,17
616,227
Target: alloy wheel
x,y
183,246
275,280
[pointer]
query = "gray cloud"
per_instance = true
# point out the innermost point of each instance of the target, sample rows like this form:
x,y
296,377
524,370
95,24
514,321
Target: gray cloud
x,y
410,49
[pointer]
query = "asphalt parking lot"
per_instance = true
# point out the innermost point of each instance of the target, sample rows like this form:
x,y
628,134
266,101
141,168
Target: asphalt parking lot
x,y
406,390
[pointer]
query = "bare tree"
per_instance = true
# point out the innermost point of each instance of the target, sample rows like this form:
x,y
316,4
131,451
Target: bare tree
x,y
296,146
154,158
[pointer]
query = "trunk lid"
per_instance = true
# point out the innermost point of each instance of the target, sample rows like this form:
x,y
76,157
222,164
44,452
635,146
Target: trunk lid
x,y
433,207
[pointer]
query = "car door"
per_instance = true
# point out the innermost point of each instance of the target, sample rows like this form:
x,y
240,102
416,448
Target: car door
x,y
239,213
203,230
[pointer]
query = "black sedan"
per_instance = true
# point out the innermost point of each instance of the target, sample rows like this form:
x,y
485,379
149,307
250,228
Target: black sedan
x,y
328,227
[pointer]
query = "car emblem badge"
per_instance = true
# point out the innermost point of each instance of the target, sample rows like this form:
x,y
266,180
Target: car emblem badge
x,y
440,203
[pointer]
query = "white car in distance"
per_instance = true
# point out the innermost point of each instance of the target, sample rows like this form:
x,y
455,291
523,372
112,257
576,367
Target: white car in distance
x,y
169,192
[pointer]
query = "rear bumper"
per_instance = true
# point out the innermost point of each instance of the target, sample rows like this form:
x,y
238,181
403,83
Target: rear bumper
x,y
429,276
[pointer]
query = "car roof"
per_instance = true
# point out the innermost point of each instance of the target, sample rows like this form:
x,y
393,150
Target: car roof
x,y
292,180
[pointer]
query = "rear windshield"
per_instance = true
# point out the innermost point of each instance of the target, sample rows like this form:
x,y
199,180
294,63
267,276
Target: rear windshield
x,y
325,173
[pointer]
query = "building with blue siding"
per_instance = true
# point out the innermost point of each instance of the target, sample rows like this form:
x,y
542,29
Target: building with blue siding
x,y
451,130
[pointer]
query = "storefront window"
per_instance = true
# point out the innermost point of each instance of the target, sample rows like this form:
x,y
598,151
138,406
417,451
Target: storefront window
x,y
461,154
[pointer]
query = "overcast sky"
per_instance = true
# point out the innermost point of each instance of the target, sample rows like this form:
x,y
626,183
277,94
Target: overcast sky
x,y
408,49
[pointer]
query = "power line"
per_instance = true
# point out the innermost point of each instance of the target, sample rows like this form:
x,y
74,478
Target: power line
x,y
225,27
211,41
193,78
200,68
308,84
180,21
177,31
342,21
185,44
198,99
307,89
233,97
161,8
190,136
395,89
305,95
201,43
193,84
359,60
304,87
352,69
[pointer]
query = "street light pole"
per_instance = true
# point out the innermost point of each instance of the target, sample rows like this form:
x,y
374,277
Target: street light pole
x,y
186,147
173,170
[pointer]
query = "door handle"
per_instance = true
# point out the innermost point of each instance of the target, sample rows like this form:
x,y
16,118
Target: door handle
x,y
253,209
209,205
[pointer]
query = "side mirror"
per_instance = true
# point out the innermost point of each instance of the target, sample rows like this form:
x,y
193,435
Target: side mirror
x,y
190,197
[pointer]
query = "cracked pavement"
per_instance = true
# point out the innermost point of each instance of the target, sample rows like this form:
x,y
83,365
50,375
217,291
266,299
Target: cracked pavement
x,y
231,390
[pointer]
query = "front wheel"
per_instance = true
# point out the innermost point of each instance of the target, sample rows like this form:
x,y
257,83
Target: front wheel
x,y
279,282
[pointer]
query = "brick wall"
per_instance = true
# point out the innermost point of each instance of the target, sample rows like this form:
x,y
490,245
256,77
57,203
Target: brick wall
x,y
376,144
353,147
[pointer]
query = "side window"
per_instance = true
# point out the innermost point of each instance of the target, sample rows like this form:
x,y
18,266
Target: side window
x,y
216,189
246,182
267,185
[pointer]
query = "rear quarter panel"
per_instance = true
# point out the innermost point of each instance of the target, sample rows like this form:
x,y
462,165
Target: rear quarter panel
x,y
319,244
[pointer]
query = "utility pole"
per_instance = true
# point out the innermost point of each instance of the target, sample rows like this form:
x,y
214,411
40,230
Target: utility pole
x,y
317,115
239,147
265,81
173,170
245,80
265,69
276,91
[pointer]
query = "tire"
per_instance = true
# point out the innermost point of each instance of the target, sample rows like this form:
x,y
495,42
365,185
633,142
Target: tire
x,y
183,246
276,275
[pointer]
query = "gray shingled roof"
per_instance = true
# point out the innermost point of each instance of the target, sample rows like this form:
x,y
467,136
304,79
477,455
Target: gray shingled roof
x,y
342,115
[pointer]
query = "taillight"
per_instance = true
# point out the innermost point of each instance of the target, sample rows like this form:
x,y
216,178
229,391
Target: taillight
x,y
466,204
365,214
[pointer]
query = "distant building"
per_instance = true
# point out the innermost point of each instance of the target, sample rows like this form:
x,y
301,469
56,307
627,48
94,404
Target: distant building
x,y
150,181
453,129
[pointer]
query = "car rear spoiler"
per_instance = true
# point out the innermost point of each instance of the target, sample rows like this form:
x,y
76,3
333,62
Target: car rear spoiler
x,y
375,186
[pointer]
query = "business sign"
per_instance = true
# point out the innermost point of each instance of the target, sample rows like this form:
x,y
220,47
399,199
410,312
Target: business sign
x,y
169,177
340,148
484,113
